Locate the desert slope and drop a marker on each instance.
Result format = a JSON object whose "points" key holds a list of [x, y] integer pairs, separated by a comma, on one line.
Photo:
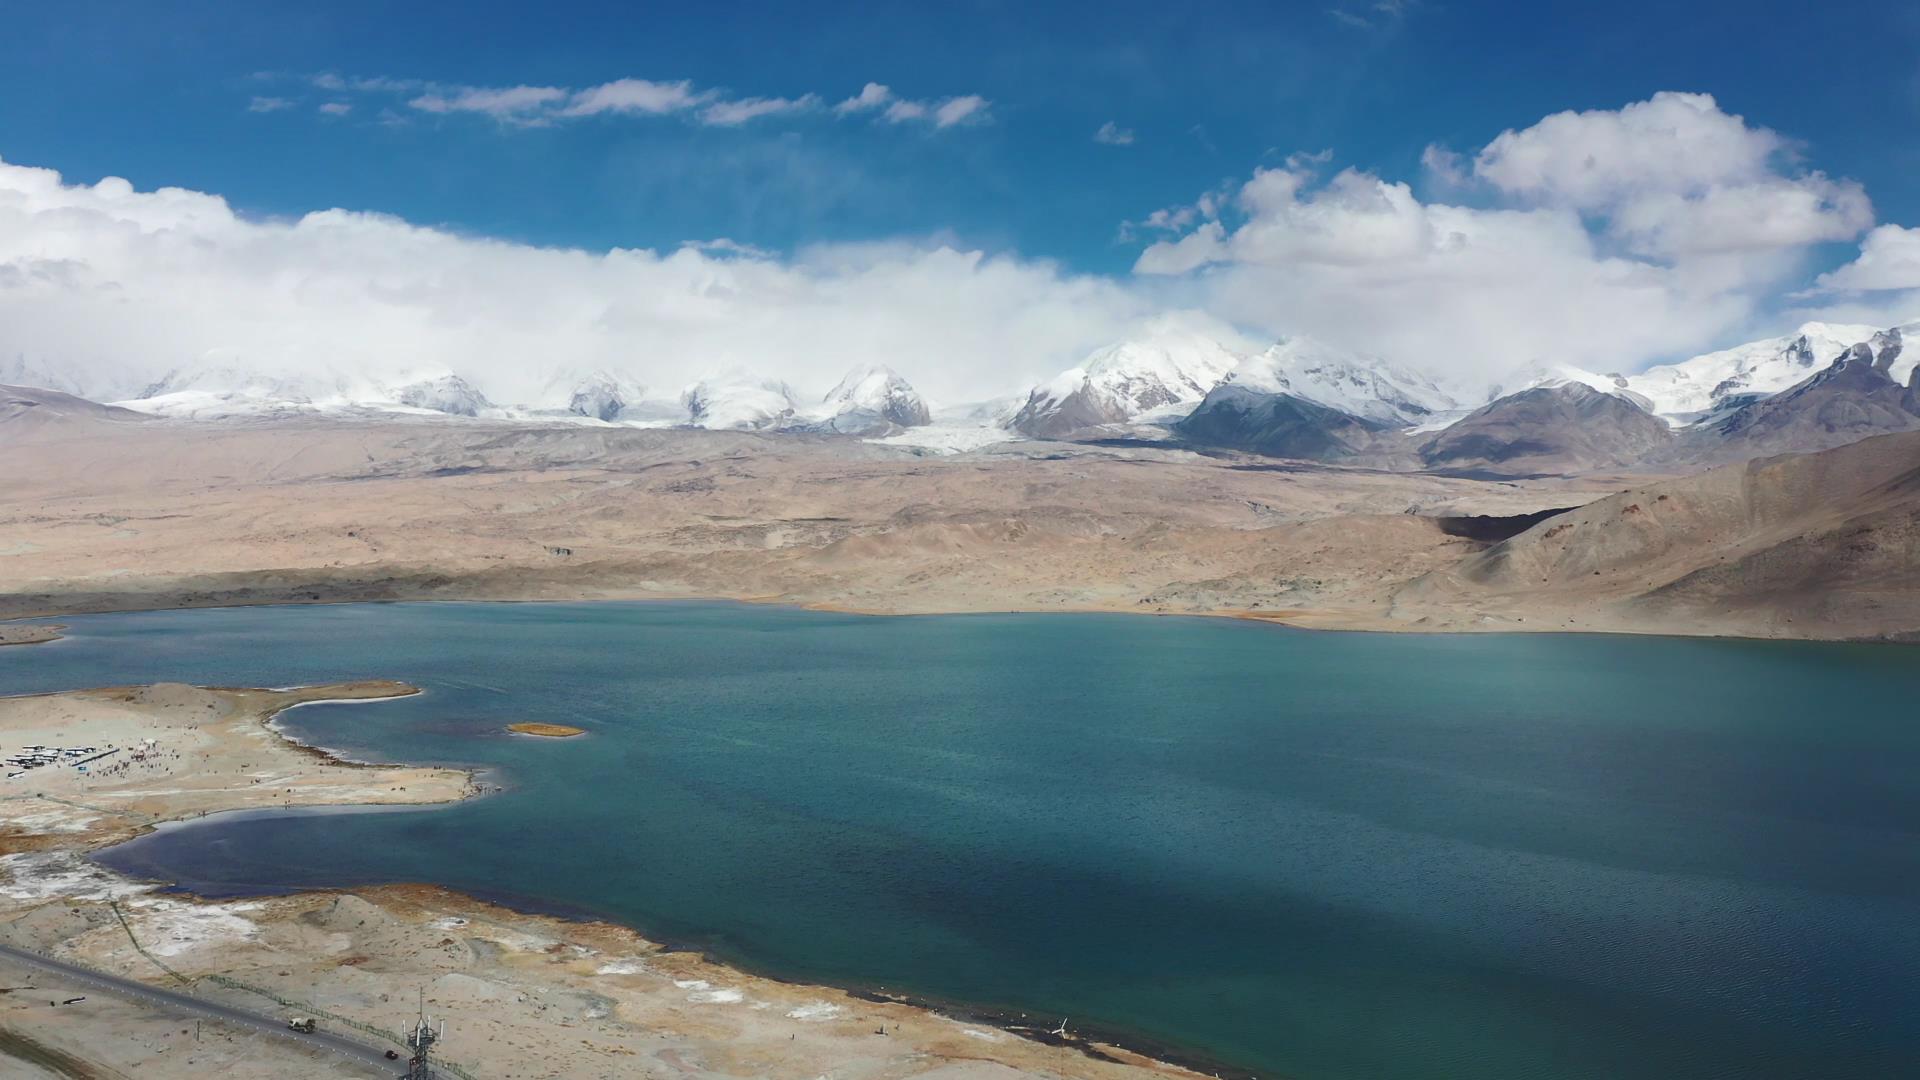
{"points": [[1822, 545]]}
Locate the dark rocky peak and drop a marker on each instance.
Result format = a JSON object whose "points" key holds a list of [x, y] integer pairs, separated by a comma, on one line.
{"points": [[1886, 348]]}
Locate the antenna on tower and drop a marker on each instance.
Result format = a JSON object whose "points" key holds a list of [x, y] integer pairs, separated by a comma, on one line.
{"points": [[420, 1040]]}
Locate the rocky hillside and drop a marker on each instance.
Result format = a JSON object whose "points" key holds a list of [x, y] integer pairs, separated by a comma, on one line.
{"points": [[1238, 417], [1564, 428], [1823, 545], [1852, 399], [28, 409]]}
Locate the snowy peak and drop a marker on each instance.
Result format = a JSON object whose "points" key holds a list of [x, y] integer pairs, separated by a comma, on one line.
{"points": [[873, 400], [230, 382], [23, 371], [1887, 346], [1354, 383], [739, 400], [1695, 387], [603, 395], [1126, 381], [221, 387], [448, 394]]}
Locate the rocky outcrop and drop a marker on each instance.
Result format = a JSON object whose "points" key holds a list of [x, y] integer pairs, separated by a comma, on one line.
{"points": [[448, 394], [603, 396], [1564, 428], [1238, 417], [1886, 346]]}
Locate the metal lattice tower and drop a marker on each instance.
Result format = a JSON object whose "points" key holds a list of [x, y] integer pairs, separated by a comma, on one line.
{"points": [[420, 1040]]}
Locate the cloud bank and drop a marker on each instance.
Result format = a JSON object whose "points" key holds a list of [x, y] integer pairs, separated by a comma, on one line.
{"points": [[1604, 239], [111, 288]]}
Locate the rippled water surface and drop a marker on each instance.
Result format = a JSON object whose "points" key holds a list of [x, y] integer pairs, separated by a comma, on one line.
{"points": [[1309, 855]]}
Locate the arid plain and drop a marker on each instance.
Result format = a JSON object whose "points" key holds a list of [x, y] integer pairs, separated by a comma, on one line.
{"points": [[104, 512]]}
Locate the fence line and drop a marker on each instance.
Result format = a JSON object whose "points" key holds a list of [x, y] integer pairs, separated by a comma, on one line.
{"points": [[230, 983]]}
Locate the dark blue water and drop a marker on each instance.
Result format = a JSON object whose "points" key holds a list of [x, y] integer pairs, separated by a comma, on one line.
{"points": [[1311, 855]]}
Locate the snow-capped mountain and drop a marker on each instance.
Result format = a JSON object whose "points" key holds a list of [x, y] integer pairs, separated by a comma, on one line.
{"points": [[449, 394], [602, 395], [1549, 375], [1360, 385], [1692, 388], [1127, 381], [737, 399], [22, 370], [874, 400], [1852, 398], [220, 387]]}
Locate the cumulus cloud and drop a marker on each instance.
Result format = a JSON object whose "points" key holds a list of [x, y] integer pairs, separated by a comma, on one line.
{"points": [[335, 108], [115, 287], [1112, 134], [1614, 238], [1675, 175], [269, 104], [1889, 259]]}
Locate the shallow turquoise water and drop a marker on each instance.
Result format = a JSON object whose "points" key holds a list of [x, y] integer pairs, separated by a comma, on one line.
{"points": [[1311, 855]]}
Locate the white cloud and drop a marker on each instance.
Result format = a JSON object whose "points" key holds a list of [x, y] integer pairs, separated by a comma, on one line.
{"points": [[1616, 238], [515, 104], [732, 113], [894, 109], [1377, 15], [960, 110], [1676, 176], [536, 106], [902, 111], [1446, 167], [1112, 134], [1673, 142], [1889, 259], [637, 96], [871, 96], [114, 287], [268, 104], [335, 108]]}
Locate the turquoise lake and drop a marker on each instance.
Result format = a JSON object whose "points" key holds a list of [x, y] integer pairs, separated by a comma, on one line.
{"points": [[1308, 855]]}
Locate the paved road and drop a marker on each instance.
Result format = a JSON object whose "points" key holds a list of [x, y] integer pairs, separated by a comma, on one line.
{"points": [[374, 1059]]}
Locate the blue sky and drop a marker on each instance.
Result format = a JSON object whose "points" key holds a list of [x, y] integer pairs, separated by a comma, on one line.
{"points": [[1466, 188], [159, 93]]}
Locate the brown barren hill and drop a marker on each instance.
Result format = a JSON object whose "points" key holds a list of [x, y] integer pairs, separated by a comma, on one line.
{"points": [[1821, 545]]}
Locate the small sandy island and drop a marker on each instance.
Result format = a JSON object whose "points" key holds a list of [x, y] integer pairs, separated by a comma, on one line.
{"points": [[526, 995], [549, 731], [29, 635]]}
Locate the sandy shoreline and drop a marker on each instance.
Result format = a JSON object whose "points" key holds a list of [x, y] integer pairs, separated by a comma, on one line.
{"points": [[16, 634], [537, 995]]}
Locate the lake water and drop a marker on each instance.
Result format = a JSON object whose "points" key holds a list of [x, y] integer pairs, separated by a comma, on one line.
{"points": [[1308, 855]]}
